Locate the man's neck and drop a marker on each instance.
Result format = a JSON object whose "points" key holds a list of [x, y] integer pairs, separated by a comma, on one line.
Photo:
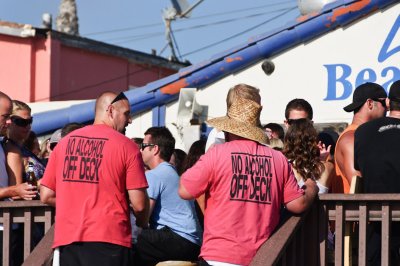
{"points": [[231, 137], [394, 114], [360, 118], [155, 162]]}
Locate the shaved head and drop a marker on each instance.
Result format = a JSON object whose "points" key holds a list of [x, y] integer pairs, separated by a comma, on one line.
{"points": [[113, 110], [103, 101], [3, 95]]}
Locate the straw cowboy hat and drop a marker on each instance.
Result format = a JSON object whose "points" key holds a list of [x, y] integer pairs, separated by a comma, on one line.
{"points": [[242, 120]]}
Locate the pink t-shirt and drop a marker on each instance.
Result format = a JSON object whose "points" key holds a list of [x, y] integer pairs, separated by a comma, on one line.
{"points": [[245, 184], [90, 170]]}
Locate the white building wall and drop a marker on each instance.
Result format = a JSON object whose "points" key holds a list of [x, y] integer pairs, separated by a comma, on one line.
{"points": [[302, 72]]}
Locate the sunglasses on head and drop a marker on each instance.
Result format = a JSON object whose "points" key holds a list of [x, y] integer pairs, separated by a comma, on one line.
{"points": [[21, 122], [144, 145], [119, 97]]}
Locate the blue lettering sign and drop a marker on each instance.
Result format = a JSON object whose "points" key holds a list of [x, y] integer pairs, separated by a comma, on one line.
{"points": [[340, 87], [365, 75], [334, 79], [385, 53], [394, 77]]}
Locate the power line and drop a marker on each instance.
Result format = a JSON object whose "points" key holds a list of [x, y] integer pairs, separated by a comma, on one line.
{"points": [[124, 29], [155, 34], [240, 10], [189, 53], [192, 18], [240, 33]]}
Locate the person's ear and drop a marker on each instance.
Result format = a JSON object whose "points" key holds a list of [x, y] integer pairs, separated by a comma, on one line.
{"points": [[156, 149], [110, 111], [286, 124], [370, 104]]}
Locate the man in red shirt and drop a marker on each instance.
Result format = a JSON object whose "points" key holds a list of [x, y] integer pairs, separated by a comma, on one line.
{"points": [[88, 176], [245, 183]]}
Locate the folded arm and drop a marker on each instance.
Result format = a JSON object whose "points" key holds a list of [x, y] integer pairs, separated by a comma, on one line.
{"points": [[302, 203]]}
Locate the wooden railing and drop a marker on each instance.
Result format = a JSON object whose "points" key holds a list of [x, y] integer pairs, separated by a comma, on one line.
{"points": [[302, 240], [42, 255], [294, 243], [23, 214]]}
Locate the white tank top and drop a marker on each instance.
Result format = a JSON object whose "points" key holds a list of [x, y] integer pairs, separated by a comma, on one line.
{"points": [[322, 189]]}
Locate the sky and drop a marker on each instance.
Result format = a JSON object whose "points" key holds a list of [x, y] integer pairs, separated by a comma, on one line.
{"points": [[213, 27]]}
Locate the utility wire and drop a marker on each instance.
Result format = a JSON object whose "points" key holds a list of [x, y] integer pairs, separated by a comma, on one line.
{"points": [[124, 29], [192, 18], [189, 53], [155, 34], [238, 10], [240, 33]]}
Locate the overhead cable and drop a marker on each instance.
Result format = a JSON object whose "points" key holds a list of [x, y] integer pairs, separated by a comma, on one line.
{"points": [[240, 33], [156, 34], [192, 18]]}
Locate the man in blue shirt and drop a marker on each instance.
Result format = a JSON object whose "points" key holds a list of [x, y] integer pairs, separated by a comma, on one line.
{"points": [[174, 232]]}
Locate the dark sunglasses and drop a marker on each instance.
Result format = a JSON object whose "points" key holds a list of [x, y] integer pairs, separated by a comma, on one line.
{"points": [[290, 121], [119, 97], [21, 122], [144, 145], [382, 101], [53, 145]]}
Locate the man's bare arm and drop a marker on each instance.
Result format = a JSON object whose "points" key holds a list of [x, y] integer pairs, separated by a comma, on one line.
{"points": [[345, 159], [152, 203], [201, 201], [14, 165], [140, 205], [47, 196], [302, 203], [183, 193]]}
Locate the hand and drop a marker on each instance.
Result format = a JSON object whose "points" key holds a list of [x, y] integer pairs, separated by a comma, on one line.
{"points": [[324, 152], [26, 191], [311, 185]]}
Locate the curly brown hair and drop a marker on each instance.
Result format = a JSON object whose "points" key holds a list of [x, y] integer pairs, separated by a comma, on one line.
{"points": [[301, 149]]}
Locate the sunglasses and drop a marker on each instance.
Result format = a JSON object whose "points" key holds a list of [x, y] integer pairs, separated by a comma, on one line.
{"points": [[382, 101], [21, 122], [144, 145], [53, 145], [119, 97], [290, 121]]}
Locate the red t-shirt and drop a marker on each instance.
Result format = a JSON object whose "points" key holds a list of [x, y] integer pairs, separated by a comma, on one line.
{"points": [[90, 170], [245, 184]]}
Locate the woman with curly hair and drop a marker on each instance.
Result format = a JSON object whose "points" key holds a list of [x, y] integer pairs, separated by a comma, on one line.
{"points": [[303, 152]]}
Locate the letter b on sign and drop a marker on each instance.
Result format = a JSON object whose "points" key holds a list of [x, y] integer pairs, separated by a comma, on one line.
{"points": [[333, 80]]}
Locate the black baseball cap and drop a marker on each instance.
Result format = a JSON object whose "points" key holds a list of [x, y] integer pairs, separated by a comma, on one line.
{"points": [[364, 92], [394, 92]]}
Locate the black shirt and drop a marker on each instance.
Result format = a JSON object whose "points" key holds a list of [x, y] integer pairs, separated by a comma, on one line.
{"points": [[377, 155]]}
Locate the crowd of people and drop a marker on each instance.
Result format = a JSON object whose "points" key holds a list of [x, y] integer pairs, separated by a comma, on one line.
{"points": [[141, 201]]}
